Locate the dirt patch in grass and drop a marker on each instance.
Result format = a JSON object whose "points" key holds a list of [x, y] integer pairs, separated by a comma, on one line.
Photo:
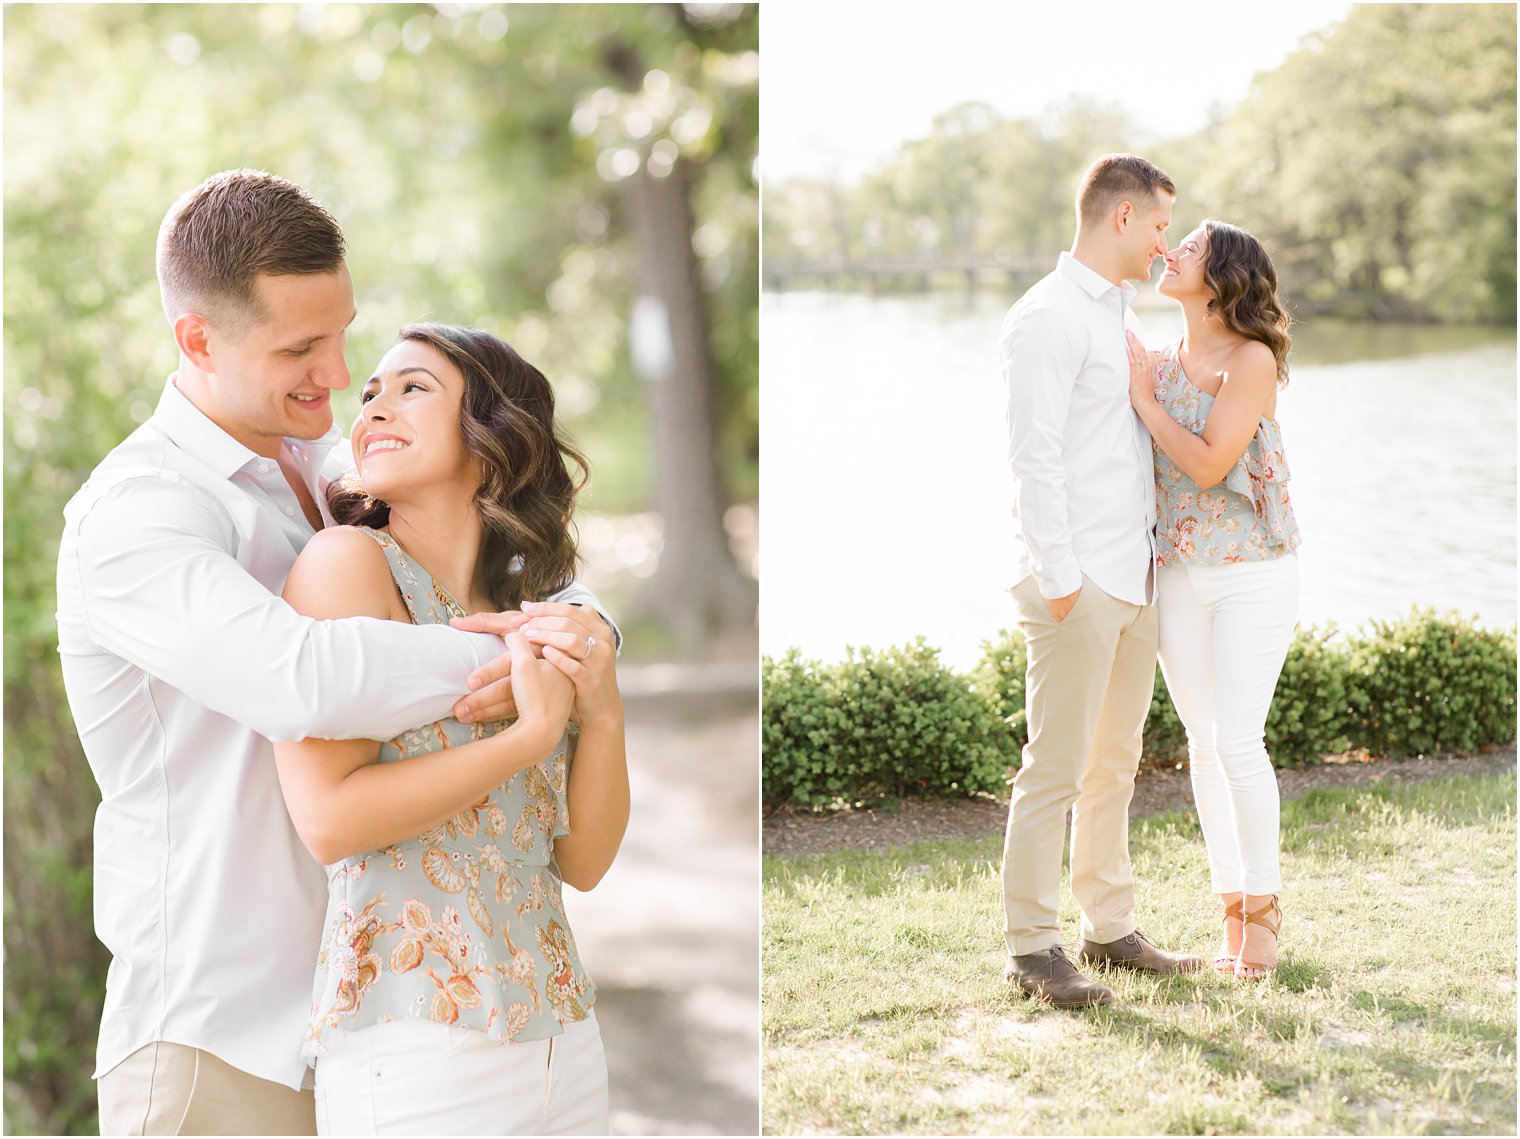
{"points": [[799, 830], [969, 1026]]}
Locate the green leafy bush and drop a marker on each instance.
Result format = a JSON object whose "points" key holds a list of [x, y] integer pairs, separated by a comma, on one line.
{"points": [[999, 680], [1308, 717], [1428, 683], [1165, 738], [879, 724], [897, 722]]}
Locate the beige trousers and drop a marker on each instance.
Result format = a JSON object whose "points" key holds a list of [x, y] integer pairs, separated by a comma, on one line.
{"points": [[1087, 690], [173, 1089]]}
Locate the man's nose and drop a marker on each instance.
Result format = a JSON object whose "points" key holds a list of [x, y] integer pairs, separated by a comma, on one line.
{"points": [[332, 372]]}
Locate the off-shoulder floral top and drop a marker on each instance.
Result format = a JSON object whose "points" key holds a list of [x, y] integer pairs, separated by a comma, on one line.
{"points": [[463, 924], [1247, 517]]}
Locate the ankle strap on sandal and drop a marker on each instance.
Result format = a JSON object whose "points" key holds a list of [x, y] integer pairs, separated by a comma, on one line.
{"points": [[1255, 917]]}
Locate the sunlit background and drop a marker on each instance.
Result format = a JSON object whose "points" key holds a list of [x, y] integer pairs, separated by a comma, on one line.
{"points": [[1370, 147], [563, 176]]}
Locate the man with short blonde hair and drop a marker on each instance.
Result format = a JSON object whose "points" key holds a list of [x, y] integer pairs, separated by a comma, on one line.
{"points": [[1084, 507]]}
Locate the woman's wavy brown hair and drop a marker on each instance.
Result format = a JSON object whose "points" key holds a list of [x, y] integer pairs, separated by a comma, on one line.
{"points": [[1240, 275], [527, 494]]}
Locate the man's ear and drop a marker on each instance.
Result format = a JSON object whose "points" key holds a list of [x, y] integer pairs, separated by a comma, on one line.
{"points": [[1124, 213], [193, 334]]}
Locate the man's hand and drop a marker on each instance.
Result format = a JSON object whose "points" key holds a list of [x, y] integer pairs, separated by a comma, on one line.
{"points": [[572, 637], [491, 695], [1060, 606]]}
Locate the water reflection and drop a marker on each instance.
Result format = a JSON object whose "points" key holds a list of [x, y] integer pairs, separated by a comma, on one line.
{"points": [[887, 494]]}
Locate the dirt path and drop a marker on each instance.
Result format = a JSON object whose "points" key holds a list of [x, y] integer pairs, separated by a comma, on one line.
{"points": [[671, 935], [801, 831]]}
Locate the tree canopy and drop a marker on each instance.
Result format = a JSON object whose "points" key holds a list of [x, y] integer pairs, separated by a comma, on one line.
{"points": [[1377, 164]]}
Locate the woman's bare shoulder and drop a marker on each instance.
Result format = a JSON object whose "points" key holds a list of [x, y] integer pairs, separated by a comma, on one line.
{"points": [[1255, 358], [342, 572]]}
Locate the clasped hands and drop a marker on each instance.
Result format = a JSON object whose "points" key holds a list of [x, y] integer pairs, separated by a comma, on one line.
{"points": [[569, 640]]}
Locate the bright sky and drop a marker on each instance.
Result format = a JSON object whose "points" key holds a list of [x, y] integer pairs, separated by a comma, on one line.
{"points": [[844, 84]]}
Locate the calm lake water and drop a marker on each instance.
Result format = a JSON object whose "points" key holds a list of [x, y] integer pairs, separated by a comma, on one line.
{"points": [[887, 496]]}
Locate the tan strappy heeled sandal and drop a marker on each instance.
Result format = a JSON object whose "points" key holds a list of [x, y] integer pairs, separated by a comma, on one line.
{"points": [[1225, 962], [1269, 917]]}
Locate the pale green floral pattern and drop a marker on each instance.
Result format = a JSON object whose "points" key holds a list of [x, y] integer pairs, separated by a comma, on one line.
{"points": [[1246, 518], [464, 924]]}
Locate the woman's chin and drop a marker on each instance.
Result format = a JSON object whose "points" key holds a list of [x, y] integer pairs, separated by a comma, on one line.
{"points": [[377, 488]]}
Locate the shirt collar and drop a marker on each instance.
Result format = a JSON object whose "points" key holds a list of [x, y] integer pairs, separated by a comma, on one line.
{"points": [[1090, 281], [192, 431]]}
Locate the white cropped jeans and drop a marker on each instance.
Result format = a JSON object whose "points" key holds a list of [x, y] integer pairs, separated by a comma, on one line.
{"points": [[418, 1077], [1225, 632]]}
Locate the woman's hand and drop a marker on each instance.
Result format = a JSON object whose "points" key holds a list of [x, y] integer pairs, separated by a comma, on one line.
{"points": [[1142, 373], [543, 696], [578, 642]]}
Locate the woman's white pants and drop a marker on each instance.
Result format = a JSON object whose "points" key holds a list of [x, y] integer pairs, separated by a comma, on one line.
{"points": [[1225, 632], [416, 1077]]}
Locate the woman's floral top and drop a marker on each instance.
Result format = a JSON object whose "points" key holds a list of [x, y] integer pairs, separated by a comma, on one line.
{"points": [[464, 923], [1247, 517]]}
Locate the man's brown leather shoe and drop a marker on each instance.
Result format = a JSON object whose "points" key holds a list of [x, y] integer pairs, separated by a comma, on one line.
{"points": [[1050, 975], [1137, 952]]}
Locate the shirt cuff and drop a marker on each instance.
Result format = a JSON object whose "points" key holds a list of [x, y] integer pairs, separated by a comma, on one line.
{"points": [[487, 647], [1060, 580]]}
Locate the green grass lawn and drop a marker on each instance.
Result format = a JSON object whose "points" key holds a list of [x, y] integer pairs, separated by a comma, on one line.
{"points": [[1392, 1011]]}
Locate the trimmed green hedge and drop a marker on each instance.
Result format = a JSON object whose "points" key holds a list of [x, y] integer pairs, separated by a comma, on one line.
{"points": [[896, 722], [877, 725]]}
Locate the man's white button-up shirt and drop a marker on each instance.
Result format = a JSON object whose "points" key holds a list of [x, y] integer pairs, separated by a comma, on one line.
{"points": [[1085, 498], [181, 663]]}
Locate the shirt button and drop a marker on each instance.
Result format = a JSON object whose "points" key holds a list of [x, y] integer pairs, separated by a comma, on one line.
{"points": [[263, 468], [290, 510]]}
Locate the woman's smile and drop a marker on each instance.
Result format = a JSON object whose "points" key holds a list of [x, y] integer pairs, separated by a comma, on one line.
{"points": [[377, 443]]}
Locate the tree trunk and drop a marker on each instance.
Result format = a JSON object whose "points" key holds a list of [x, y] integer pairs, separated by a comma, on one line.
{"points": [[698, 587]]}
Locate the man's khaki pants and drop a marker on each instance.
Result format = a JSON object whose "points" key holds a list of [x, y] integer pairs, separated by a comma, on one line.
{"points": [[1087, 690], [173, 1089]]}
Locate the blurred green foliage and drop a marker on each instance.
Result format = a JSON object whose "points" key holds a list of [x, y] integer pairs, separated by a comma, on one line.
{"points": [[1377, 164], [897, 722], [476, 157]]}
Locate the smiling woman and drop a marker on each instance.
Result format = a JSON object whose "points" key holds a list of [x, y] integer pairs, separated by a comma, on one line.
{"points": [[461, 503], [468, 412]]}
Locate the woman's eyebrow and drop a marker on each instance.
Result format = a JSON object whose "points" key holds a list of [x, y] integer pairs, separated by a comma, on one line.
{"points": [[405, 372]]}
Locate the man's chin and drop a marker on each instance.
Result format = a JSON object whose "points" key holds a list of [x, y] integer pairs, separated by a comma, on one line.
{"points": [[307, 430]]}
